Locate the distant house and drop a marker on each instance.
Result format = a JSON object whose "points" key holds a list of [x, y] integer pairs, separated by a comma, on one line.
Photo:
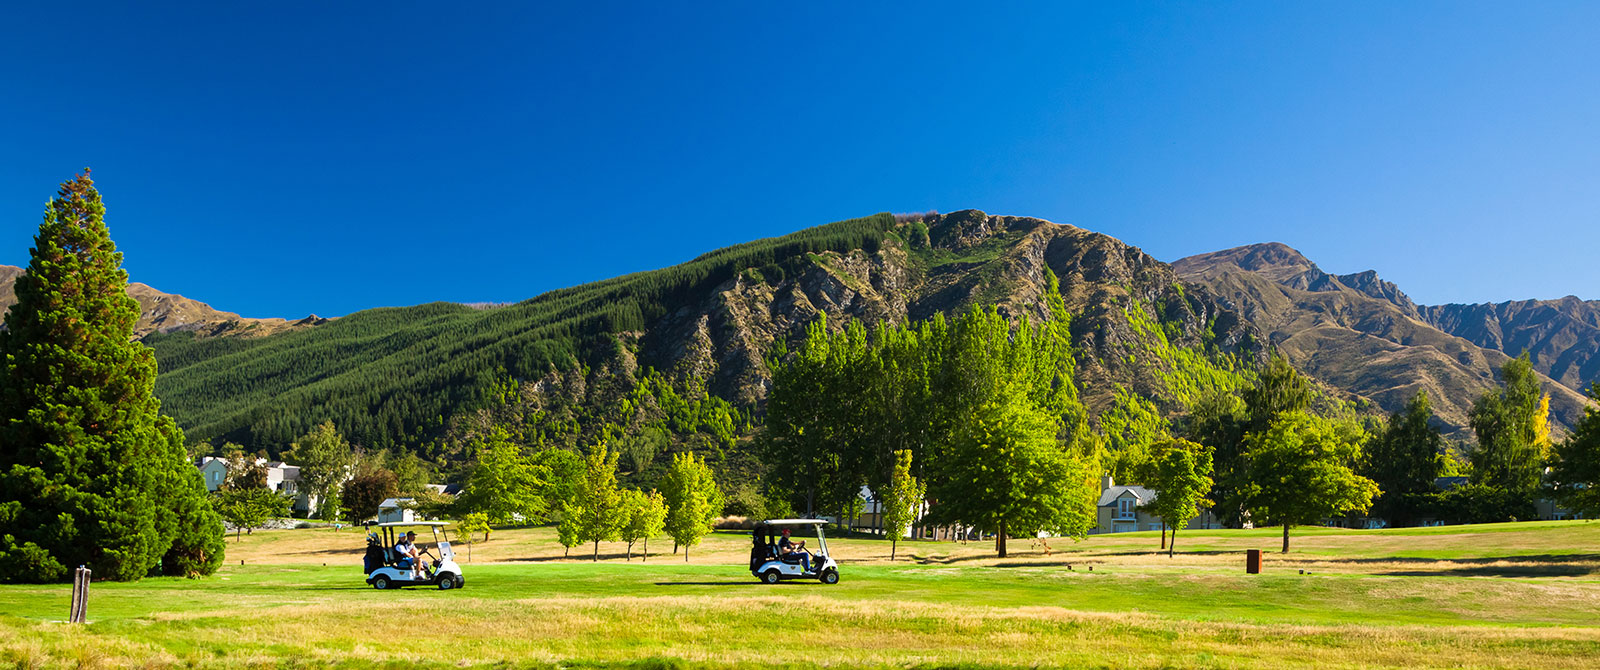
{"points": [[397, 510], [1118, 510], [445, 489], [281, 477]]}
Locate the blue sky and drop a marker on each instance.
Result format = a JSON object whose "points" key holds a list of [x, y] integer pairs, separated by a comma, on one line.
{"points": [[280, 159]]}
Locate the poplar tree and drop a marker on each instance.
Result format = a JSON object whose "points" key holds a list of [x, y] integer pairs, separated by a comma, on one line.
{"points": [[901, 500], [91, 472]]}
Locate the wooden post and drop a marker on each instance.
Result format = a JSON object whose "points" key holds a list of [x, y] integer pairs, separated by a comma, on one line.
{"points": [[1252, 562], [80, 595]]}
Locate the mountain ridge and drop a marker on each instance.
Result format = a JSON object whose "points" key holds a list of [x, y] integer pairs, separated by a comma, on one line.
{"points": [[1365, 334]]}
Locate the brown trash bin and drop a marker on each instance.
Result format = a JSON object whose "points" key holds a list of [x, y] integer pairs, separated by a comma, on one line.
{"points": [[1252, 561]]}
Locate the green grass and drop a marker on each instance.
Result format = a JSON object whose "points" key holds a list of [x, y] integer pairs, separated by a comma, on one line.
{"points": [[1373, 599]]}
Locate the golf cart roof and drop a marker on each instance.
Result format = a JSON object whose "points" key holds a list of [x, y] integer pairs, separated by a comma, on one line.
{"points": [[793, 522], [393, 524]]}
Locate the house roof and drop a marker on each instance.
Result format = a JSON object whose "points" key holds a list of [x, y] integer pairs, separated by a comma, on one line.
{"points": [[447, 489], [394, 502], [1109, 496], [1447, 483]]}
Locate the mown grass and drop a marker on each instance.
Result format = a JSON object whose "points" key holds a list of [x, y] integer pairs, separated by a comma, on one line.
{"points": [[949, 604]]}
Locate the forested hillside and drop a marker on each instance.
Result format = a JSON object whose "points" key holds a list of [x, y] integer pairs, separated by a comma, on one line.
{"points": [[679, 357]]}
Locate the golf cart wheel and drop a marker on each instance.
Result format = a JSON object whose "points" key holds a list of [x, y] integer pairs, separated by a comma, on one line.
{"points": [[380, 582], [770, 577], [447, 581], [460, 581], [830, 577]]}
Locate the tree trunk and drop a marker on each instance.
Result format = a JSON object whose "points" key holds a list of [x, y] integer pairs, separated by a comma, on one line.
{"points": [[1285, 538], [1000, 540], [892, 544], [1173, 546], [644, 554], [627, 555], [1164, 534], [686, 553], [597, 551]]}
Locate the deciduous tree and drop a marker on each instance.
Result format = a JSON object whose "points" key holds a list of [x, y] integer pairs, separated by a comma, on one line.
{"points": [[693, 500], [1301, 472], [325, 461], [1404, 460], [646, 518], [1180, 473], [1512, 435], [251, 507], [505, 484], [1576, 467], [599, 503]]}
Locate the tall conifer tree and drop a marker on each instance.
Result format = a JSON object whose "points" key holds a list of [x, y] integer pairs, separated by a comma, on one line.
{"points": [[91, 473]]}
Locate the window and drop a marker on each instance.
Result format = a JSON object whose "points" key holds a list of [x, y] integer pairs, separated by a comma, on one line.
{"points": [[1125, 508]]}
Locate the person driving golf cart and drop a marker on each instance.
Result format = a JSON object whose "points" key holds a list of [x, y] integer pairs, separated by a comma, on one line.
{"points": [[775, 555], [790, 552]]}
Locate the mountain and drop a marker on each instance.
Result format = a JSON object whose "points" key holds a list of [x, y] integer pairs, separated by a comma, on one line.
{"points": [[1562, 337], [1363, 334], [166, 312], [685, 348]]}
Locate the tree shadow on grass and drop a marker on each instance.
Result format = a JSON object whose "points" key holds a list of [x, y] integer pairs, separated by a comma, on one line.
{"points": [[729, 583], [1537, 565], [663, 559]]}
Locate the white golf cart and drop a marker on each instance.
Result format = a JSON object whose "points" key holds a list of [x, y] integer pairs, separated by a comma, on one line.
{"points": [[768, 562], [383, 566]]}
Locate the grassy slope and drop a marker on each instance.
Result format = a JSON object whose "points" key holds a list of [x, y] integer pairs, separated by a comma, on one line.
{"points": [[1417, 598]]}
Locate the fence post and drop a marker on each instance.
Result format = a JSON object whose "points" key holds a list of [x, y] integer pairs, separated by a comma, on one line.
{"points": [[80, 595]]}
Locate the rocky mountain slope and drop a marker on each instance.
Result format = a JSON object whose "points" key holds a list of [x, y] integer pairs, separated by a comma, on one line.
{"points": [[1562, 337], [578, 357], [167, 312], [1363, 334]]}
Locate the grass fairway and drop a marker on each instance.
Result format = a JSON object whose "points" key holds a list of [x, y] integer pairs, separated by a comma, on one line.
{"points": [[1504, 596]]}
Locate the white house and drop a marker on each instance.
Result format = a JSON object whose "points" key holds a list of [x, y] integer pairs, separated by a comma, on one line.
{"points": [[396, 510], [281, 477]]}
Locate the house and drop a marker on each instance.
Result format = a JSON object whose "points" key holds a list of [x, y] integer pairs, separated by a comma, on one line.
{"points": [[1118, 510], [281, 477], [445, 489], [397, 510]]}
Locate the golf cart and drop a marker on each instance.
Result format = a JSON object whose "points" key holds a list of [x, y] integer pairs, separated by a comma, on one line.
{"points": [[383, 566], [768, 562]]}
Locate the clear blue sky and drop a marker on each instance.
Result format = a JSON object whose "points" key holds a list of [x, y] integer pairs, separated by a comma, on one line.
{"points": [[279, 159]]}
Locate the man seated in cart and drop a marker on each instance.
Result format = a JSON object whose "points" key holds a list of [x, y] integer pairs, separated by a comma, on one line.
{"points": [[789, 551], [407, 556]]}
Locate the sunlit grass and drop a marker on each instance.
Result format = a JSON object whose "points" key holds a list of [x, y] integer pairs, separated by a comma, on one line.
{"points": [[1511, 596]]}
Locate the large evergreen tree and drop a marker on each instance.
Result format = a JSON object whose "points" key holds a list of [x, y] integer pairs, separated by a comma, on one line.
{"points": [[91, 473]]}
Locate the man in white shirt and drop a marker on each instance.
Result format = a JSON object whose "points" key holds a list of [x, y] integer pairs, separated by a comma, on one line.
{"points": [[409, 556]]}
